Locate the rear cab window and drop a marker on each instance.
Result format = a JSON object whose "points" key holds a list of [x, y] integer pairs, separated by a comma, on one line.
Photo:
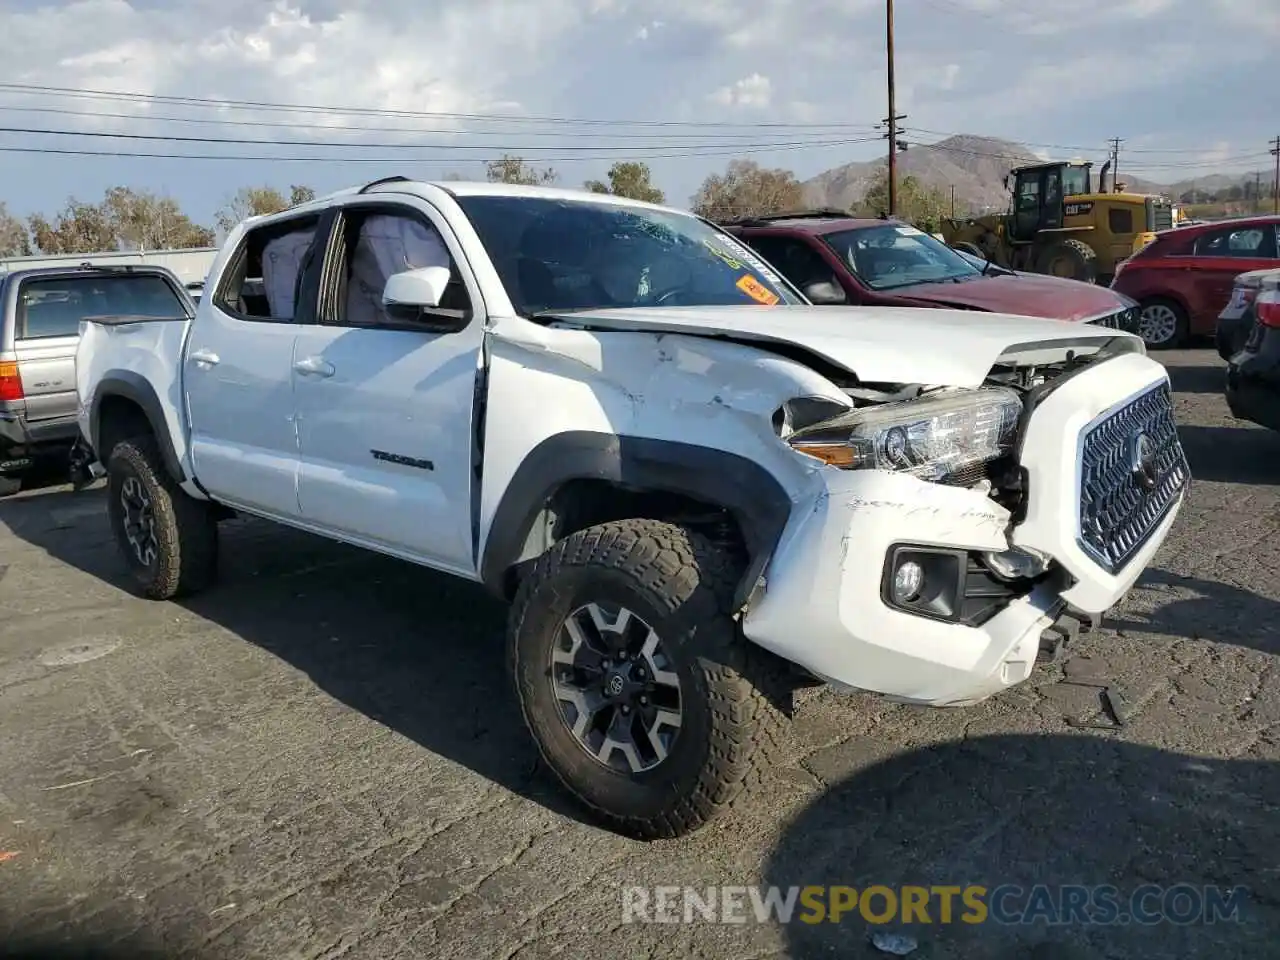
{"points": [[50, 307]]}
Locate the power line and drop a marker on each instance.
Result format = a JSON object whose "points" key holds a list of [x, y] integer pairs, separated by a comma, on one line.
{"points": [[825, 130], [1275, 152], [735, 151], [609, 147], [135, 97]]}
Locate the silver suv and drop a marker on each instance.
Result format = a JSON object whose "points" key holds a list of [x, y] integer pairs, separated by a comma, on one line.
{"points": [[40, 314]]}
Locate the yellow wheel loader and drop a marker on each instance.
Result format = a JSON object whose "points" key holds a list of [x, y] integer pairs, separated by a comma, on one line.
{"points": [[1060, 225]]}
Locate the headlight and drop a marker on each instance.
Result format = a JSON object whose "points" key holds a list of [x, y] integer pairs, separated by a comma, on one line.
{"points": [[930, 437]]}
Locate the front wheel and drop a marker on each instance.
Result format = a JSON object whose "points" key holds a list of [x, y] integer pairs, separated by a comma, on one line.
{"points": [[632, 679], [169, 539]]}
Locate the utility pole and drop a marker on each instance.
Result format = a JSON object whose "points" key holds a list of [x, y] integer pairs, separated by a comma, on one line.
{"points": [[1257, 191], [953, 201], [1115, 162], [893, 117], [1275, 191]]}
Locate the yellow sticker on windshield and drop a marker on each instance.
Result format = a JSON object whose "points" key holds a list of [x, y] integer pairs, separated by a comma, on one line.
{"points": [[756, 290], [731, 262]]}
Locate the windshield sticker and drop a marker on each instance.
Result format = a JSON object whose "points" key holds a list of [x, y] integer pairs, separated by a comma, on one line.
{"points": [[909, 232], [723, 255], [756, 290], [749, 259]]}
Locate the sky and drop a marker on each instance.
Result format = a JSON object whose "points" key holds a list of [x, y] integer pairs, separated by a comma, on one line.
{"points": [[426, 88]]}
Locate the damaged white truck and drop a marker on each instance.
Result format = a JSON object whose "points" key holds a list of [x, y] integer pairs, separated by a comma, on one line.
{"points": [[695, 489]]}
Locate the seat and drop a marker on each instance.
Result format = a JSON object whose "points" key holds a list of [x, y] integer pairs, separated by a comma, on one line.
{"points": [[387, 245], [282, 259]]}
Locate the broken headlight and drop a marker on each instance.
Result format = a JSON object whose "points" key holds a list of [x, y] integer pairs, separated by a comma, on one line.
{"points": [[930, 437]]}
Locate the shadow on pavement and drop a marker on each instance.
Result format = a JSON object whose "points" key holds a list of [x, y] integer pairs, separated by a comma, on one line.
{"points": [[1218, 612], [1245, 454], [422, 653], [1197, 378], [1055, 810]]}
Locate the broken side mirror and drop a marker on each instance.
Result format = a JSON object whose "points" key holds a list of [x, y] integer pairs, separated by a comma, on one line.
{"points": [[825, 293], [414, 297]]}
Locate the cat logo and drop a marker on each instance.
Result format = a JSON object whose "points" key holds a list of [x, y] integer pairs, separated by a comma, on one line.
{"points": [[1076, 209]]}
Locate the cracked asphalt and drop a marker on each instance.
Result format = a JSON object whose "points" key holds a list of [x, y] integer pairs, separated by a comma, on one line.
{"points": [[319, 759]]}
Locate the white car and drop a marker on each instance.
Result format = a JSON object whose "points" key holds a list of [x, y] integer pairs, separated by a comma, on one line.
{"points": [[692, 485]]}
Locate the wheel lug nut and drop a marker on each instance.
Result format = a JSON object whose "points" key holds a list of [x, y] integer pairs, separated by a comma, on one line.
{"points": [[644, 700], [626, 709]]}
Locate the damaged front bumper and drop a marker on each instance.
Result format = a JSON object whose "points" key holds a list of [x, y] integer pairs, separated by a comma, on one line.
{"points": [[828, 600]]}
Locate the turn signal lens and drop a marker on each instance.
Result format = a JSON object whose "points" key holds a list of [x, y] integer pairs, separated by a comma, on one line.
{"points": [[10, 382]]}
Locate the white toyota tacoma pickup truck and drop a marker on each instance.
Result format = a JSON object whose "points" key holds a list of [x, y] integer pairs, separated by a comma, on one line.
{"points": [[695, 489]]}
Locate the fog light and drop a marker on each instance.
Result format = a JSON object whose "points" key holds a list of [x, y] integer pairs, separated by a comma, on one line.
{"points": [[1016, 564], [908, 580]]}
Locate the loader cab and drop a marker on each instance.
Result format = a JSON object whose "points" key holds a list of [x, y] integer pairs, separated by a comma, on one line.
{"points": [[1041, 196]]}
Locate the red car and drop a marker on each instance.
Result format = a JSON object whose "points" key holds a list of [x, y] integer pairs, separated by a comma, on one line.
{"points": [[837, 259], [1183, 278]]}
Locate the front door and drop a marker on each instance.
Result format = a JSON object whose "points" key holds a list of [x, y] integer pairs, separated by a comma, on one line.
{"points": [[1026, 204], [1219, 257], [385, 406], [238, 376]]}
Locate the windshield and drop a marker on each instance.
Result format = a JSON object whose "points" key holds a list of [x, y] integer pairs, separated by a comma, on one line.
{"points": [[555, 255], [896, 255], [1075, 181]]}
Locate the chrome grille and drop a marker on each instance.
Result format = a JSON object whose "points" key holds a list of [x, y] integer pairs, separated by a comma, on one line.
{"points": [[1126, 320], [1132, 469]]}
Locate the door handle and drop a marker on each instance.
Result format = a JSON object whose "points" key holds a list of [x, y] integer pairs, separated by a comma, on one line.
{"points": [[314, 367], [205, 358]]}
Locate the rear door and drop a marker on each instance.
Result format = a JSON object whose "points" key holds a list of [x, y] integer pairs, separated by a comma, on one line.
{"points": [[1219, 257], [238, 367], [47, 311]]}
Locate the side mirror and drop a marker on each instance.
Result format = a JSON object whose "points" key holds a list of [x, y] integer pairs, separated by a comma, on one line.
{"points": [[414, 296], [825, 293]]}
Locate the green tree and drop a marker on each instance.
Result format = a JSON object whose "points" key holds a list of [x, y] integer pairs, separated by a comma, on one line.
{"points": [[628, 178], [249, 202], [918, 203], [15, 240], [514, 170], [146, 221], [746, 189], [79, 228], [299, 194]]}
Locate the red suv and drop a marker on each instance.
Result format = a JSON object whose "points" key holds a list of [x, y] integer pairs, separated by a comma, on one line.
{"points": [[1182, 280], [837, 259]]}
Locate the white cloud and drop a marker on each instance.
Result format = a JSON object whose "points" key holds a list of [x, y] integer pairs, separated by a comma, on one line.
{"points": [[1055, 77], [753, 92]]}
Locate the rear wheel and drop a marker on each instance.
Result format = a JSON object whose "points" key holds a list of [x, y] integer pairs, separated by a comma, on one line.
{"points": [[1162, 323], [642, 698], [970, 248], [1069, 259], [169, 539]]}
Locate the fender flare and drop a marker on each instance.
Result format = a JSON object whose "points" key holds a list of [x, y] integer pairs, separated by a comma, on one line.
{"points": [[754, 496], [136, 388]]}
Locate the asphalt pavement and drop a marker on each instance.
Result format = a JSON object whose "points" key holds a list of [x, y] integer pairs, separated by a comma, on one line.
{"points": [[319, 759]]}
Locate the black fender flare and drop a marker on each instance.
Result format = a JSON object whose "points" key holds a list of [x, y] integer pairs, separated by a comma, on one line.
{"points": [[753, 495], [136, 388]]}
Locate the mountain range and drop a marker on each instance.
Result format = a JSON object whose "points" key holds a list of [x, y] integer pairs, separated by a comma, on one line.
{"points": [[975, 167]]}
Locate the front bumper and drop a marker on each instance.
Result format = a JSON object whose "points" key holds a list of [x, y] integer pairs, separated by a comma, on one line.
{"points": [[822, 603], [1230, 334]]}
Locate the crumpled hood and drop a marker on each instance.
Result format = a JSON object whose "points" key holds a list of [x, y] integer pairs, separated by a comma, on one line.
{"points": [[1029, 295], [877, 344]]}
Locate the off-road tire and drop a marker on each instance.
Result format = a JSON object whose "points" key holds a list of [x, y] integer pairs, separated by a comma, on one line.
{"points": [[735, 695], [1083, 258], [186, 532], [1181, 323], [970, 248], [9, 486]]}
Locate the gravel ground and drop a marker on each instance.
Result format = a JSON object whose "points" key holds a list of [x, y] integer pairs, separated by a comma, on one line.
{"points": [[319, 758]]}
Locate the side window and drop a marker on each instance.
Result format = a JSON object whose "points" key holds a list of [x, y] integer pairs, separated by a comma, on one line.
{"points": [[263, 280], [1242, 242], [54, 306], [794, 259], [1120, 220], [377, 244]]}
